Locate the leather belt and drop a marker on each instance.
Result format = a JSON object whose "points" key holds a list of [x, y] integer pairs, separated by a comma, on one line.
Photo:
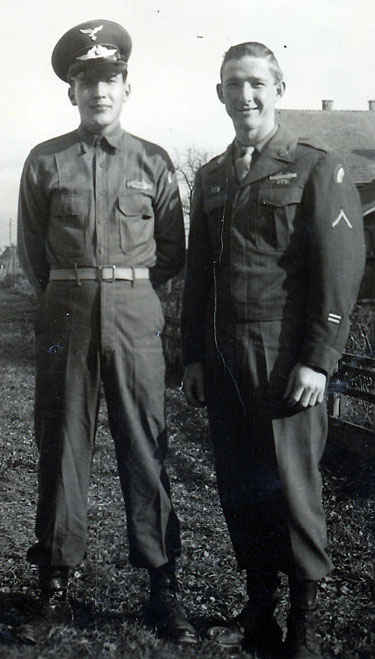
{"points": [[100, 273]]}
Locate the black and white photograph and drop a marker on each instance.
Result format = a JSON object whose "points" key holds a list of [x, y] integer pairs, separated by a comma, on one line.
{"points": [[187, 330]]}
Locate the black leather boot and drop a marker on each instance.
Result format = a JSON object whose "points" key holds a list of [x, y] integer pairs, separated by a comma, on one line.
{"points": [[302, 640], [53, 579], [257, 618], [255, 627], [165, 611], [53, 584]]}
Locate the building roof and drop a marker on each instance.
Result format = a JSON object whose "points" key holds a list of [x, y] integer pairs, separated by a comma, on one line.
{"points": [[351, 132], [7, 254], [368, 209]]}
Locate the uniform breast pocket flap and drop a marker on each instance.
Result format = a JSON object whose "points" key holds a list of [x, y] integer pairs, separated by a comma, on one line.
{"points": [[214, 203], [136, 205], [281, 196], [278, 212]]}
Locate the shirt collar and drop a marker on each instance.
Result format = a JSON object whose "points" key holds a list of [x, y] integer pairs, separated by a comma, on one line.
{"points": [[114, 138], [260, 145]]}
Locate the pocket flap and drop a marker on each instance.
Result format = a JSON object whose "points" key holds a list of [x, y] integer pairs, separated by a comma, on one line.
{"points": [[282, 196], [135, 205], [215, 201]]}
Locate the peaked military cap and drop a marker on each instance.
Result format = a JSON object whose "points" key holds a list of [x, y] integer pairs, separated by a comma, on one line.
{"points": [[91, 43]]}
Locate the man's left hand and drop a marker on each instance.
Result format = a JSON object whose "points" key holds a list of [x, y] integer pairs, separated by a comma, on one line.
{"points": [[305, 386]]}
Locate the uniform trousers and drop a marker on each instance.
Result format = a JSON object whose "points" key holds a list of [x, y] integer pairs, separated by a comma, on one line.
{"points": [[267, 454], [87, 336]]}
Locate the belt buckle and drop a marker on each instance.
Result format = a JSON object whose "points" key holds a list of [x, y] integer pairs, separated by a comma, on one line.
{"points": [[100, 269]]}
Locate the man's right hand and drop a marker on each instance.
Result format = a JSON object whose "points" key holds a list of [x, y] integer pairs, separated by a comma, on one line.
{"points": [[193, 384]]}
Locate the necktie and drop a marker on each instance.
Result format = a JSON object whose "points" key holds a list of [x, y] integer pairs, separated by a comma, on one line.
{"points": [[243, 162]]}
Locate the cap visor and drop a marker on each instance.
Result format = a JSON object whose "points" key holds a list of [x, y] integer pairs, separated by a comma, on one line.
{"points": [[99, 64]]}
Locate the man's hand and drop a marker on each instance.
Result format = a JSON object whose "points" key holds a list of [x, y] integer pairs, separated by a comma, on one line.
{"points": [[305, 386], [193, 384]]}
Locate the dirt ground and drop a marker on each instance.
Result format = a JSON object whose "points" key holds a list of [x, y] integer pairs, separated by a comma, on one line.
{"points": [[107, 594]]}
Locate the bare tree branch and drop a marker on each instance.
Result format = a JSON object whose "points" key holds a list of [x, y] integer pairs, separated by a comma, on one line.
{"points": [[187, 164]]}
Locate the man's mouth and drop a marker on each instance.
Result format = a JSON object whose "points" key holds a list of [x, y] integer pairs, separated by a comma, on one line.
{"points": [[248, 109]]}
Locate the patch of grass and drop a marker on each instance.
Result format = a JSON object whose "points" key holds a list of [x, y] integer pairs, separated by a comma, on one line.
{"points": [[107, 594]]}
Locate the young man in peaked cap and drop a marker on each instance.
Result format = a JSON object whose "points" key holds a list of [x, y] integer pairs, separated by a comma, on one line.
{"points": [[276, 255], [100, 226]]}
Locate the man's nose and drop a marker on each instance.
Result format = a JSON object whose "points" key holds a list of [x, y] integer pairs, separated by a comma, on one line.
{"points": [[99, 88], [247, 92]]}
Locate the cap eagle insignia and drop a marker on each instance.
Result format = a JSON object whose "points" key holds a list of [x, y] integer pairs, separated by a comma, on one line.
{"points": [[91, 32]]}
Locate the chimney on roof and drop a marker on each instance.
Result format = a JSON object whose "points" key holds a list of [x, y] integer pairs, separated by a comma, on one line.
{"points": [[371, 106], [327, 105]]}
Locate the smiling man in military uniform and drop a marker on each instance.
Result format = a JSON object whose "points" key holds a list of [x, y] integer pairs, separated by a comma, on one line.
{"points": [[100, 225], [276, 255]]}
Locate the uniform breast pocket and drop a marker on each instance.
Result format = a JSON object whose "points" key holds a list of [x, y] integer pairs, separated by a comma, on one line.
{"points": [[278, 210], [72, 206], [67, 228], [136, 220]]}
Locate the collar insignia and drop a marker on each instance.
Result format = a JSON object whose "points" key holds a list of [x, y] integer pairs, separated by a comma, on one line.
{"points": [[91, 32], [214, 189]]}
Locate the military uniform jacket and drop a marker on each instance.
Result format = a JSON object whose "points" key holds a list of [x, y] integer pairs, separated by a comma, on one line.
{"points": [[285, 242], [87, 201]]}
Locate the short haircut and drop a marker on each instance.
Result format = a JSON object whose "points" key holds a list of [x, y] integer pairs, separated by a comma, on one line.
{"points": [[253, 49]]}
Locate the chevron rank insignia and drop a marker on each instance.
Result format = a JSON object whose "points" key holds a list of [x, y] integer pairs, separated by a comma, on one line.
{"points": [[341, 216]]}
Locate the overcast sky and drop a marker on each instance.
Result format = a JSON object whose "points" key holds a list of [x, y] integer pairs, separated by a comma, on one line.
{"points": [[325, 47]]}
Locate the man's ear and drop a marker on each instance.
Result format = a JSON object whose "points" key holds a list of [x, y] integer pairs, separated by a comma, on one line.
{"points": [[72, 95], [127, 91], [219, 91], [280, 88]]}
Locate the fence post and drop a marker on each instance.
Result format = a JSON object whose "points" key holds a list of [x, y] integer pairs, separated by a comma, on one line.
{"points": [[334, 404]]}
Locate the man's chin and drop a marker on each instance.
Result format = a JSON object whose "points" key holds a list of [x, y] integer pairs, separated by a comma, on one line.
{"points": [[97, 123], [247, 126]]}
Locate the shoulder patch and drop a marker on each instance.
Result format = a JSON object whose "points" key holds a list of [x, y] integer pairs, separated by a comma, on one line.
{"points": [[339, 174]]}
